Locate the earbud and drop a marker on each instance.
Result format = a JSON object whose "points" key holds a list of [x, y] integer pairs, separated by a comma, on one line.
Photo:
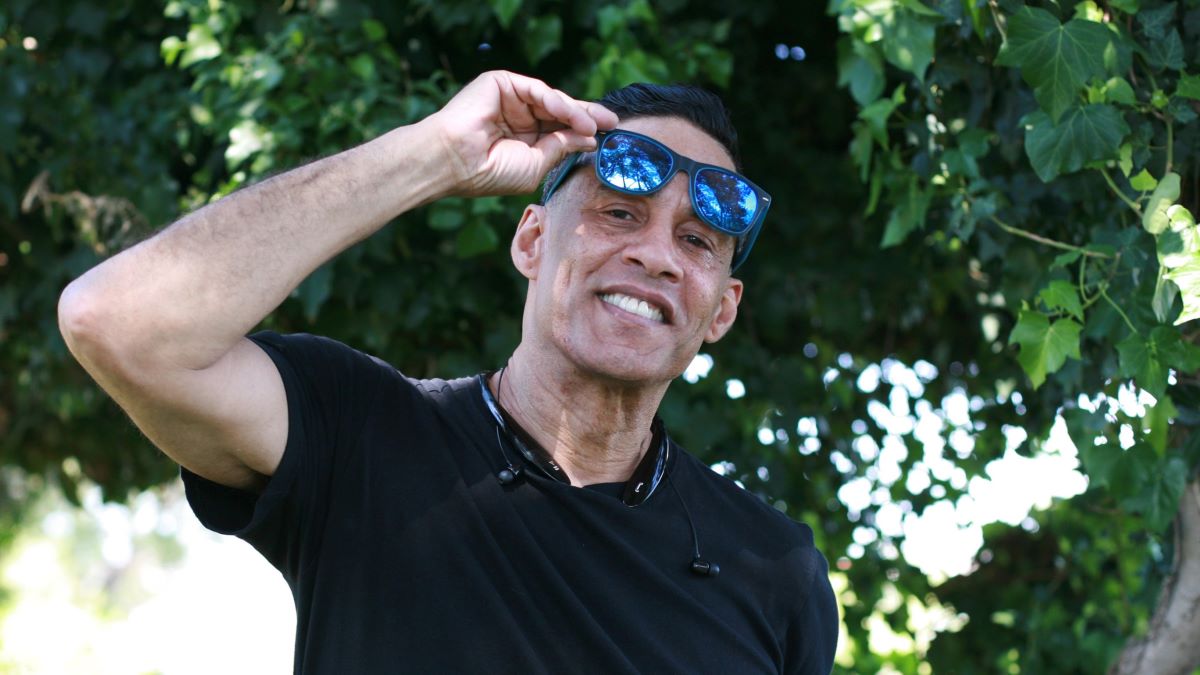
{"points": [[507, 476], [704, 568]]}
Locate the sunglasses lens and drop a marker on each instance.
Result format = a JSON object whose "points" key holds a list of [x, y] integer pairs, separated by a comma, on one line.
{"points": [[726, 201], [633, 164]]}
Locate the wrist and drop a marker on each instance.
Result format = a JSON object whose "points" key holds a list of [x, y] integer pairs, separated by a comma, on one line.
{"points": [[416, 164]]}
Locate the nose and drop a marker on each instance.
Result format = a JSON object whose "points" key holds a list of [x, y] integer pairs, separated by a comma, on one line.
{"points": [[653, 245]]}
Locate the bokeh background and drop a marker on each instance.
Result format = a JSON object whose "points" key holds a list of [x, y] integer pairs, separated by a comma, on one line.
{"points": [[964, 355]]}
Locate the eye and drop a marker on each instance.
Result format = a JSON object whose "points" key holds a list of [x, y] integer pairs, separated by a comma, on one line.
{"points": [[697, 241], [619, 214]]}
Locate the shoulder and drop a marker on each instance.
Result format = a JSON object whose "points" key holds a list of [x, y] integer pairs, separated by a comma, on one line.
{"points": [[310, 351], [738, 507], [336, 372], [775, 560], [763, 542]]}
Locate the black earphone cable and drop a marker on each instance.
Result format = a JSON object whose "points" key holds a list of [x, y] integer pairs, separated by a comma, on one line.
{"points": [[699, 565], [510, 473]]}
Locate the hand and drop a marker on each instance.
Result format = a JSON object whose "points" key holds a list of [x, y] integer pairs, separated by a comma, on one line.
{"points": [[503, 132]]}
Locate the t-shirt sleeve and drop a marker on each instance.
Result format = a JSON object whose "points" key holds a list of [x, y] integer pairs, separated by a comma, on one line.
{"points": [[813, 633], [330, 388]]}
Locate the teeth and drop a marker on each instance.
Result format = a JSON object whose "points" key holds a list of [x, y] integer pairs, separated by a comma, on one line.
{"points": [[633, 306]]}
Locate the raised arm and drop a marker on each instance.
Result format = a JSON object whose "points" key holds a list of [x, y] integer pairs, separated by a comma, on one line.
{"points": [[161, 326]]}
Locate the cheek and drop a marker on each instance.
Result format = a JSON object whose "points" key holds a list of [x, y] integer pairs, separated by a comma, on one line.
{"points": [[711, 302]]}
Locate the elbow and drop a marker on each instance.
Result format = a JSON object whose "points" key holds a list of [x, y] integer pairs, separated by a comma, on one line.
{"points": [[94, 335], [80, 318]]}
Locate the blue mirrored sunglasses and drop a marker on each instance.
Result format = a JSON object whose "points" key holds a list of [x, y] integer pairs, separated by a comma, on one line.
{"points": [[635, 164]]}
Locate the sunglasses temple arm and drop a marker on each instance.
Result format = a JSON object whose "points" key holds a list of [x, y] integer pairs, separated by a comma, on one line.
{"points": [[750, 239]]}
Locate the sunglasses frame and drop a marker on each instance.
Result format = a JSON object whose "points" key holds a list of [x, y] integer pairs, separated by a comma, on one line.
{"points": [[745, 238]]}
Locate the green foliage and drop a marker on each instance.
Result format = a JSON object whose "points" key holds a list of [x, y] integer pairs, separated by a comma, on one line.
{"points": [[1089, 153], [1057, 60], [1045, 346], [1085, 135]]}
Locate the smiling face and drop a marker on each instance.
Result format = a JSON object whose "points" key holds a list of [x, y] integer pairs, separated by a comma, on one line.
{"points": [[627, 287]]}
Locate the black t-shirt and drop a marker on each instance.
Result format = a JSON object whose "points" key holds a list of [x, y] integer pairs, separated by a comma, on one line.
{"points": [[404, 552]]}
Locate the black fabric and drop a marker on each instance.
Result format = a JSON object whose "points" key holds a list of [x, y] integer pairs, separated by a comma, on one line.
{"points": [[405, 554]]}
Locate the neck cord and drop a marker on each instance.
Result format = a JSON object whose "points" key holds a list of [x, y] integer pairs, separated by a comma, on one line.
{"points": [[646, 477], [699, 565], [633, 488]]}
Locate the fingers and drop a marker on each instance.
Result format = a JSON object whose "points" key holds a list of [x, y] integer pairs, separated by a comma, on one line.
{"points": [[551, 104], [555, 147], [605, 118]]}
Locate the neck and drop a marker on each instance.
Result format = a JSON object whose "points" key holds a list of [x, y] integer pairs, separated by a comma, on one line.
{"points": [[596, 429]]}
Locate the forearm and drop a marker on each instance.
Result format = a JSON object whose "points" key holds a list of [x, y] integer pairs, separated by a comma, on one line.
{"points": [[184, 297]]}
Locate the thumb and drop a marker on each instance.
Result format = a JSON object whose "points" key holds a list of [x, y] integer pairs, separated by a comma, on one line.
{"points": [[556, 146]]}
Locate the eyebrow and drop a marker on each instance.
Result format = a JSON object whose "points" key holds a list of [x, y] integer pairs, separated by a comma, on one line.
{"points": [[598, 188]]}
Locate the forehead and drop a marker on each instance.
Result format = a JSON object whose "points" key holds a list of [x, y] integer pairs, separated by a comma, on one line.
{"points": [[683, 137]]}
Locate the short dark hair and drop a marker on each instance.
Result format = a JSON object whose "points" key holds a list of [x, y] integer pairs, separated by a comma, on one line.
{"points": [[687, 102]]}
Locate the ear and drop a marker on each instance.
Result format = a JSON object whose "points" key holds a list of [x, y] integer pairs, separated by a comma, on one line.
{"points": [[726, 312], [528, 241]]}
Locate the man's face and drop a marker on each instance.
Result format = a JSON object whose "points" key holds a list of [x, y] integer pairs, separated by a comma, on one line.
{"points": [[624, 286]]}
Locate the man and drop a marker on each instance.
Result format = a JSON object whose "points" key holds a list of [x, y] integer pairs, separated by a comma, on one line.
{"points": [[533, 520]]}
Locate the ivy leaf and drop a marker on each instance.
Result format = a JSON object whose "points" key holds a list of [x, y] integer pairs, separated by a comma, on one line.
{"points": [[1083, 428], [1154, 22], [1044, 346], [1138, 358], [1089, 10], [861, 67], [1086, 134], [1176, 246], [1188, 87], [1127, 6], [876, 115], [1156, 423], [1181, 110], [1064, 259], [1062, 295], [907, 216], [1143, 181], [1118, 90], [1133, 469], [1165, 292], [1166, 52], [1155, 218], [1187, 278], [1173, 351], [1158, 498], [861, 149], [1099, 461], [908, 42], [201, 45], [1147, 360], [1057, 60], [1125, 159]]}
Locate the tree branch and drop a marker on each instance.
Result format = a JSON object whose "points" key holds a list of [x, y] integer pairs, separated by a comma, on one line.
{"points": [[1170, 646], [1117, 191], [1046, 240]]}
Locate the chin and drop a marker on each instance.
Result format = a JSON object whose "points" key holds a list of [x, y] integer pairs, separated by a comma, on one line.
{"points": [[623, 353], [628, 365]]}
